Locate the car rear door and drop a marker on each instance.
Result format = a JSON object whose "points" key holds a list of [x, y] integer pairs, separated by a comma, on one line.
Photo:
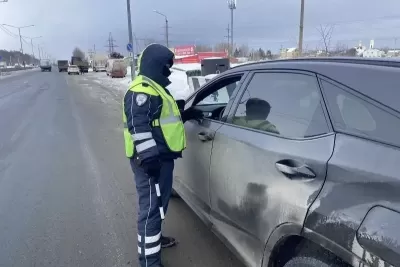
{"points": [[268, 169], [191, 175]]}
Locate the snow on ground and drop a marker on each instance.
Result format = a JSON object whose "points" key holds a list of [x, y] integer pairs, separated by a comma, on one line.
{"points": [[179, 86], [4, 75]]}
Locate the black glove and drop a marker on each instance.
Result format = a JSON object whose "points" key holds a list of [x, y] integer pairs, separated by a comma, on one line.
{"points": [[192, 114], [152, 168]]}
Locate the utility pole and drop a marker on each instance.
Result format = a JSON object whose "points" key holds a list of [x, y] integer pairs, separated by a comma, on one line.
{"points": [[228, 38], [33, 53], [40, 56], [301, 28], [111, 44], [232, 7], [128, 10], [19, 32], [166, 26]]}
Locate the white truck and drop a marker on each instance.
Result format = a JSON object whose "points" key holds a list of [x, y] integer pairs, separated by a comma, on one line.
{"points": [[99, 63], [45, 65]]}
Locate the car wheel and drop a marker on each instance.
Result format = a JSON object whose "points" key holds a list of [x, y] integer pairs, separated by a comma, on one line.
{"points": [[308, 262], [69, 73], [174, 194]]}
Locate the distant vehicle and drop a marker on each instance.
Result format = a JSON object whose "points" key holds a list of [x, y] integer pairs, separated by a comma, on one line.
{"points": [[62, 65], [73, 69], [99, 63], [295, 162], [82, 64], [45, 65], [116, 68], [99, 68]]}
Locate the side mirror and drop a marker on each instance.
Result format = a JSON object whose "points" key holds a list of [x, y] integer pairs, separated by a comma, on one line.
{"points": [[181, 104]]}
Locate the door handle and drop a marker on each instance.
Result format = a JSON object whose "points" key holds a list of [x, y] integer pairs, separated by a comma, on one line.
{"points": [[204, 136], [293, 169]]}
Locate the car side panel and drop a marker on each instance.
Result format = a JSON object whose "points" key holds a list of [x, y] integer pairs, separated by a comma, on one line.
{"points": [[250, 197], [361, 175], [191, 175]]}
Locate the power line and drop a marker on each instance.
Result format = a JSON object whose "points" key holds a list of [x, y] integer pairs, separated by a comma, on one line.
{"points": [[111, 44]]}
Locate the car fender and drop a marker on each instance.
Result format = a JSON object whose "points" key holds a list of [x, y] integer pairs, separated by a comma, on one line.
{"points": [[286, 230], [278, 234]]}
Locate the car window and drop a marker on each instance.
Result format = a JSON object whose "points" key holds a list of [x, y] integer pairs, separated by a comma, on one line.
{"points": [[218, 93], [285, 104], [351, 114]]}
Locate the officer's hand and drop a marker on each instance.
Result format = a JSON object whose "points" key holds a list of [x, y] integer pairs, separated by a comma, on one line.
{"points": [[192, 114], [197, 114], [152, 168]]}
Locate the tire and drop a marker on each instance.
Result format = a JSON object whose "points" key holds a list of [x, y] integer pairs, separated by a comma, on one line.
{"points": [[307, 262], [69, 73]]}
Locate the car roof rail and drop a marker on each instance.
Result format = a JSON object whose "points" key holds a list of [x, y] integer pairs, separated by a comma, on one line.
{"points": [[349, 60]]}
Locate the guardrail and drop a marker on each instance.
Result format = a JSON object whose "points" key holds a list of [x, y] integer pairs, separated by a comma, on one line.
{"points": [[7, 71]]}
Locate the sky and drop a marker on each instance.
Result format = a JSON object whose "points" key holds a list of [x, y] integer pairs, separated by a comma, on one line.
{"points": [[269, 24]]}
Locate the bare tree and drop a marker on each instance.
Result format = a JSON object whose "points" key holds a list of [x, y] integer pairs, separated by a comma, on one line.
{"points": [[221, 47], [340, 49], [244, 50], [326, 35], [78, 53], [352, 52]]}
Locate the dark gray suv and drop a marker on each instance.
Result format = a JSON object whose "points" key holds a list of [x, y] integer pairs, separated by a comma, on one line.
{"points": [[295, 163]]}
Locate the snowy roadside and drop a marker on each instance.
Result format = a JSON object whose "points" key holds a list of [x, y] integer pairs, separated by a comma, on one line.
{"points": [[179, 87], [6, 74]]}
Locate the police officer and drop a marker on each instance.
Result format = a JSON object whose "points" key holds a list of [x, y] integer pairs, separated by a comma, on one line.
{"points": [[154, 137]]}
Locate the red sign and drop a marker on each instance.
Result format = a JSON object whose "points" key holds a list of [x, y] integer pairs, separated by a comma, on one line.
{"points": [[184, 50]]}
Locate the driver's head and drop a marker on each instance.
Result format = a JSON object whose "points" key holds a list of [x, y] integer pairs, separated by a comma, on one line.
{"points": [[257, 109], [155, 63]]}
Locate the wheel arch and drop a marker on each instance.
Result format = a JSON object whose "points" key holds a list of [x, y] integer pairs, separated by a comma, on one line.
{"points": [[285, 240]]}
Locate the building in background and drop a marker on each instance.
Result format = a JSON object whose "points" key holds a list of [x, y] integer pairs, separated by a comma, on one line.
{"points": [[372, 52], [289, 52], [186, 54]]}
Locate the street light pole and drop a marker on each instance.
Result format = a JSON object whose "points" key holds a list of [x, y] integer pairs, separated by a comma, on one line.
{"points": [[301, 28], [128, 9], [166, 26], [33, 53], [166, 31], [232, 7]]}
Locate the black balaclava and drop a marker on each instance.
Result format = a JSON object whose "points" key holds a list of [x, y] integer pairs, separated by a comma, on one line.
{"points": [[155, 63]]}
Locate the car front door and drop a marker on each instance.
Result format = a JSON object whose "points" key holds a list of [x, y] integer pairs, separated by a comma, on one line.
{"points": [[191, 176], [268, 160]]}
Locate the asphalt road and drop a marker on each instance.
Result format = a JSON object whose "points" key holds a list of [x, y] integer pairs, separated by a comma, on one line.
{"points": [[67, 196]]}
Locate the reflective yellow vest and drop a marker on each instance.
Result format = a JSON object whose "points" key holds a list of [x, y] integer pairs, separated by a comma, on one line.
{"points": [[170, 120]]}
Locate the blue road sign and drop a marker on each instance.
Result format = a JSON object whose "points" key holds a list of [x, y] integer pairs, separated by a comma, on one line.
{"points": [[129, 47], [0, 57]]}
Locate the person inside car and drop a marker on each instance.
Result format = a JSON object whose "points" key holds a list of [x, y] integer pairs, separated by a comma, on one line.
{"points": [[257, 111]]}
